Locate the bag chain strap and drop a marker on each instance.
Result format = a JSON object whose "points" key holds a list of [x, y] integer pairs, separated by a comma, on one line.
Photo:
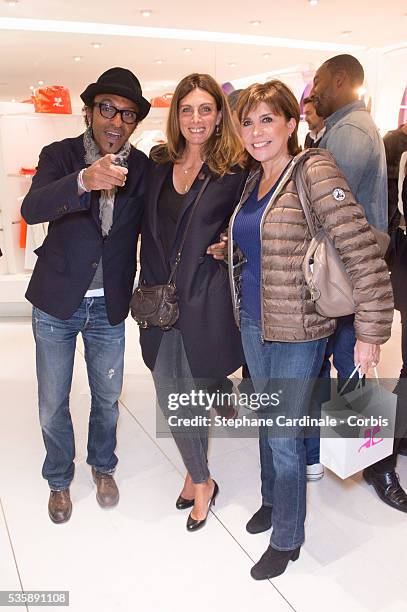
{"points": [[171, 279]]}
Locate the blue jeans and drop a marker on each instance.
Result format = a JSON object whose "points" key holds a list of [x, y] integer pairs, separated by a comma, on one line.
{"points": [[312, 447], [283, 465], [55, 351], [341, 345], [322, 393]]}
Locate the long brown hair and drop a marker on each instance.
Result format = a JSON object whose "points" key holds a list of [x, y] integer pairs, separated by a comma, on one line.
{"points": [[221, 151], [281, 101]]}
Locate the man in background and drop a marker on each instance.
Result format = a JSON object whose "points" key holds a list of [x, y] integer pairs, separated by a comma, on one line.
{"points": [[354, 141], [395, 143], [232, 101], [316, 125]]}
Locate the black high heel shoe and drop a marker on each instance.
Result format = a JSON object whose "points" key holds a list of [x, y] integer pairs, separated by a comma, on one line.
{"points": [[195, 524], [273, 563], [183, 504]]}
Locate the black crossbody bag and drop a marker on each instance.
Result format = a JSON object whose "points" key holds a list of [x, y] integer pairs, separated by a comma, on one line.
{"points": [[157, 305]]}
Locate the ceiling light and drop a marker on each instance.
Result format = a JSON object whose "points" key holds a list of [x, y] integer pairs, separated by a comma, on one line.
{"points": [[346, 32], [159, 61], [187, 50], [266, 55], [40, 82], [77, 58], [313, 2], [13, 100], [96, 45], [12, 2], [255, 22], [32, 87], [130, 31], [232, 65], [146, 13]]}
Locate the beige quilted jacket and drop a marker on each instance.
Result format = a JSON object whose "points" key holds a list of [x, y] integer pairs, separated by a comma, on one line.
{"points": [[288, 313]]}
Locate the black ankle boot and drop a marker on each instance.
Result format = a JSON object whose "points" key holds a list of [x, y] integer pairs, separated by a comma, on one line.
{"points": [[273, 563], [260, 521]]}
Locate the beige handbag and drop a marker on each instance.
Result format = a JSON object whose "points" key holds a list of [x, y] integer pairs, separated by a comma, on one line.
{"points": [[329, 283]]}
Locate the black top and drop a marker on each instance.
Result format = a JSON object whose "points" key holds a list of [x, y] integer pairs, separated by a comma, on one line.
{"points": [[169, 207], [395, 143], [310, 143]]}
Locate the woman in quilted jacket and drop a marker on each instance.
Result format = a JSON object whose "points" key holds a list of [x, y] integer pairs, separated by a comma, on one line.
{"points": [[284, 337]]}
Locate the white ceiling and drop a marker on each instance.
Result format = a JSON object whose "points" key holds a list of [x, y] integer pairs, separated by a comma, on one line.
{"points": [[28, 56]]}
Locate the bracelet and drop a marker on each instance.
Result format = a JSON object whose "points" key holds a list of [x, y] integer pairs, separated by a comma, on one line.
{"points": [[81, 184]]}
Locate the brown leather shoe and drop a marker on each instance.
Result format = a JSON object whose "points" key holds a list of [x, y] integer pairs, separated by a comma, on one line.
{"points": [[107, 492], [60, 506]]}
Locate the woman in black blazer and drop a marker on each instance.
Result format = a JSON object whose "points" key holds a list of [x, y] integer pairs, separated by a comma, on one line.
{"points": [[205, 344]]}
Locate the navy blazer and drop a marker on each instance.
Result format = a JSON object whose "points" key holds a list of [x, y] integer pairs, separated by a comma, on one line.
{"points": [[209, 332], [69, 256]]}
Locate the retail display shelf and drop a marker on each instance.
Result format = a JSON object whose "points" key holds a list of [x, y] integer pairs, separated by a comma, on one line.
{"points": [[13, 287], [18, 175]]}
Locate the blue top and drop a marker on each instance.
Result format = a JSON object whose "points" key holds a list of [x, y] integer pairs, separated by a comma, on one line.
{"points": [[355, 143], [246, 233]]}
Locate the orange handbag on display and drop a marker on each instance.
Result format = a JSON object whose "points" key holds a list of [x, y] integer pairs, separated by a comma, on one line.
{"points": [[23, 234], [53, 99], [163, 101]]}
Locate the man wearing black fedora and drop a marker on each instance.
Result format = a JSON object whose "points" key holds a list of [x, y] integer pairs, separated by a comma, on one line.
{"points": [[91, 190]]}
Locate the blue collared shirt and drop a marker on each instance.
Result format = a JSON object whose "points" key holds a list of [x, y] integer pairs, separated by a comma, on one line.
{"points": [[354, 141]]}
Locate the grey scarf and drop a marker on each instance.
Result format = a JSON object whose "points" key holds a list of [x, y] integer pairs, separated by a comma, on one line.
{"points": [[107, 196]]}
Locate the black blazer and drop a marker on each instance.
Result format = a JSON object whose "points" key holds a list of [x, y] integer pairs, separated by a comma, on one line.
{"points": [[211, 338], [68, 258]]}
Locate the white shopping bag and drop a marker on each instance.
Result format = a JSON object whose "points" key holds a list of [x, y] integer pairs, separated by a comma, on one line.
{"points": [[364, 429]]}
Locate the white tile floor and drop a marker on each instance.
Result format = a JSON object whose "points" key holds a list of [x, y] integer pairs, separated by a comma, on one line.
{"points": [[139, 556]]}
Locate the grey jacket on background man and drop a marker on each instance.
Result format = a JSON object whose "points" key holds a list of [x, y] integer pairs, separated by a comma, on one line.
{"points": [[354, 141]]}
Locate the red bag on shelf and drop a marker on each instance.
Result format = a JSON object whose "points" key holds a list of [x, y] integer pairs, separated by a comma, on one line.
{"points": [[27, 171], [23, 234], [163, 101], [53, 99]]}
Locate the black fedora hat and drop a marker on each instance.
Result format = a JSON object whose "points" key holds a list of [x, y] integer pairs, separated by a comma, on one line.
{"points": [[121, 82]]}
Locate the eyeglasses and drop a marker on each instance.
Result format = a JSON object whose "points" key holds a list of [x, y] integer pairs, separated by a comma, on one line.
{"points": [[108, 112]]}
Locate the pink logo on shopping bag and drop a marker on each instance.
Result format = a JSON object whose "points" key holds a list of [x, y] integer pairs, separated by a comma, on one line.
{"points": [[370, 439]]}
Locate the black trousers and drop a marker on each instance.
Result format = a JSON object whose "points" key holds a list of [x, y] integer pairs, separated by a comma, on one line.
{"points": [[393, 213], [389, 463]]}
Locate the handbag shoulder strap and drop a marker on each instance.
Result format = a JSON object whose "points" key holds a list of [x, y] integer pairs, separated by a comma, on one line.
{"points": [[303, 195], [184, 236]]}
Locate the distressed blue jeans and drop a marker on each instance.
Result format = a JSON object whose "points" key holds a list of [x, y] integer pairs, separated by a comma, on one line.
{"points": [[104, 355], [294, 366]]}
